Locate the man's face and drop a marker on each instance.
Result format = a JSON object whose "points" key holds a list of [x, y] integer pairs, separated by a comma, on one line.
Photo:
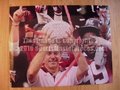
{"points": [[52, 59], [88, 44], [52, 56]]}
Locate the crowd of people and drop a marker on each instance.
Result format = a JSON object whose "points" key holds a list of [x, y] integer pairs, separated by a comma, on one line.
{"points": [[51, 48]]}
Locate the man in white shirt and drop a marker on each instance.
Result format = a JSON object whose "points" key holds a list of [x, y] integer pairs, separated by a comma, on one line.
{"points": [[44, 69], [50, 73]]}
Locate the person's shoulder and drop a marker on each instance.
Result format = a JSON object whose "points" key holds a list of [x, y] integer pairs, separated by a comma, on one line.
{"points": [[43, 70]]}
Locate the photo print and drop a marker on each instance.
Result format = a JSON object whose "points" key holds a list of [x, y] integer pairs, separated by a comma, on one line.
{"points": [[60, 45]]}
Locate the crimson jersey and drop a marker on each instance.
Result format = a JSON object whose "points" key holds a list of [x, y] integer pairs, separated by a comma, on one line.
{"points": [[99, 74]]}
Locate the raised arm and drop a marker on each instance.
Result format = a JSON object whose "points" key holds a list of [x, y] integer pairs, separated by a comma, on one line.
{"points": [[14, 34], [14, 39], [35, 65], [102, 41], [37, 62], [82, 66]]}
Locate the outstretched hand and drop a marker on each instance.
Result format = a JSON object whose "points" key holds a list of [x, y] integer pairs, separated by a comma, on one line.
{"points": [[19, 15]]}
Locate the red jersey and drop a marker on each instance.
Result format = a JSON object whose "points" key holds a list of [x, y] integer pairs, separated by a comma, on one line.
{"points": [[99, 74]]}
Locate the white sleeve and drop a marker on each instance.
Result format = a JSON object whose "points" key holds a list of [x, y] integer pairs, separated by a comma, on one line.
{"points": [[36, 81], [14, 48], [73, 75], [99, 56]]}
